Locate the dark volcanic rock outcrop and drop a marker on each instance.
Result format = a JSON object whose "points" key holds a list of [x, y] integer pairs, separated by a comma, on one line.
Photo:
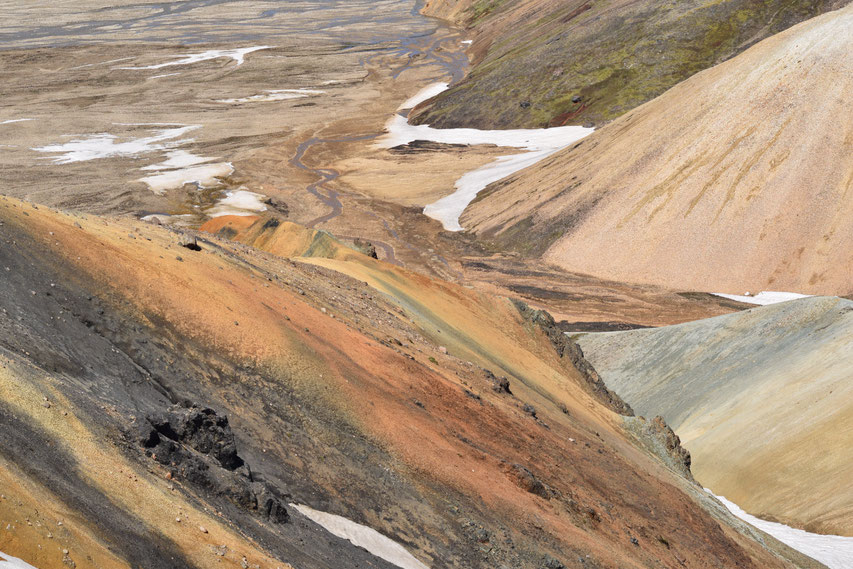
{"points": [[527, 481], [197, 447], [568, 348], [659, 438]]}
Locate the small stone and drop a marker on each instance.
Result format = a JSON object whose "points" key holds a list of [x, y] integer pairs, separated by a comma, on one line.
{"points": [[576, 99], [190, 242], [442, 349], [202, 529], [179, 258]]}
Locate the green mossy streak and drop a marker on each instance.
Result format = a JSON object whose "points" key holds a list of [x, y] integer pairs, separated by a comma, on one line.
{"points": [[614, 57]]}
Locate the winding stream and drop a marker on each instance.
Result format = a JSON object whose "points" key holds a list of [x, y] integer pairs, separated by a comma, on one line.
{"points": [[452, 64], [329, 196]]}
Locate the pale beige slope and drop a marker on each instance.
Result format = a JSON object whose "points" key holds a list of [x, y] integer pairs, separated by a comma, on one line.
{"points": [[763, 399], [737, 179]]}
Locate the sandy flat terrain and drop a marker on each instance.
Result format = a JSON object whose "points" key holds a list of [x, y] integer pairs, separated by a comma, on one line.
{"points": [[181, 114]]}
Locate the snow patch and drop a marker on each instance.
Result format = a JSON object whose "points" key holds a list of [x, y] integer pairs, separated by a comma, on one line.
{"points": [[203, 176], [539, 144], [164, 75], [105, 145], [180, 167], [12, 121], [834, 551], [363, 536], [9, 562], [448, 209], [275, 95], [427, 92], [166, 219], [238, 202], [764, 297], [467, 42], [237, 55], [100, 63], [178, 159]]}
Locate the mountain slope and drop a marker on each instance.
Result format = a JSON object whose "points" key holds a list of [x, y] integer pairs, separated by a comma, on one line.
{"points": [[166, 404], [545, 62], [761, 398], [737, 179]]}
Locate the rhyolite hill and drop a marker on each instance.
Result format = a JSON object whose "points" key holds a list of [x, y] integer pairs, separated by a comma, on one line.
{"points": [[737, 179], [163, 405]]}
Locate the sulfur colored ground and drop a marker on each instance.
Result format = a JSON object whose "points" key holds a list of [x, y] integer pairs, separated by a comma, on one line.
{"points": [[364, 400]]}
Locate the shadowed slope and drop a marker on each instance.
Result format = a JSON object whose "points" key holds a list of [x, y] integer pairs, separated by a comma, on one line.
{"points": [[761, 398], [736, 179]]}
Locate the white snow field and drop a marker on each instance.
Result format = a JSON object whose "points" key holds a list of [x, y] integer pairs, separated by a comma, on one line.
{"points": [[238, 202], [180, 167], [9, 562], [764, 297], [204, 176], [363, 536], [237, 55], [427, 92], [178, 159], [538, 143], [105, 145], [834, 551], [274, 95]]}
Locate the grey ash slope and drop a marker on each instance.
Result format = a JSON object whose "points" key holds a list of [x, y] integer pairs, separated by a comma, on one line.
{"points": [[761, 398]]}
